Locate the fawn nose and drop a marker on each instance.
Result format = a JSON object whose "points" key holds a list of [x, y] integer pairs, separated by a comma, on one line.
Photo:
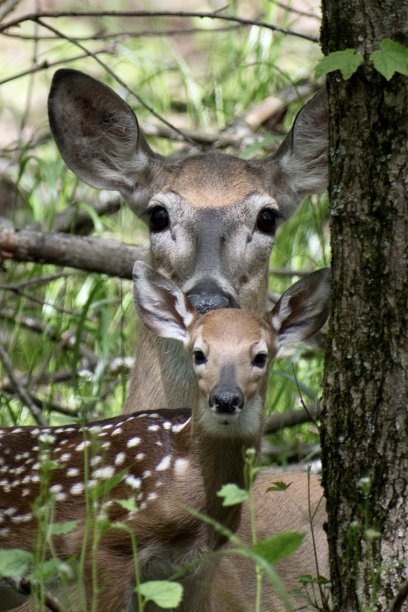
{"points": [[207, 295], [226, 402]]}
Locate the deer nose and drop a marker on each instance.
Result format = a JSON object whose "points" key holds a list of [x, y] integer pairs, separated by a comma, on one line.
{"points": [[207, 295], [226, 402]]}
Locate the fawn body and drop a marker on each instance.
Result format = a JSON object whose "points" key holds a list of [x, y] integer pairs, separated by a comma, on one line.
{"points": [[211, 217], [167, 461]]}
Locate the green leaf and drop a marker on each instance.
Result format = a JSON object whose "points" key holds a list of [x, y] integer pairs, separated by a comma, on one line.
{"points": [[390, 58], [232, 494], [14, 562], [127, 504], [346, 61], [279, 485], [62, 528], [163, 593], [279, 546]]}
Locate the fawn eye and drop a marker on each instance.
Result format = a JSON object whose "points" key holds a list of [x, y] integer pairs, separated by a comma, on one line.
{"points": [[199, 358], [259, 361], [159, 219], [266, 220]]}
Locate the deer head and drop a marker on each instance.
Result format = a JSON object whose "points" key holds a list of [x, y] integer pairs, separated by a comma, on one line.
{"points": [[212, 217]]}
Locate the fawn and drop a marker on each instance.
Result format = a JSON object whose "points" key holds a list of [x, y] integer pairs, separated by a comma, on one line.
{"points": [[166, 461]]}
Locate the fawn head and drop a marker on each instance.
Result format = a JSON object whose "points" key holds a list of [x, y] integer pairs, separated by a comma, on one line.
{"points": [[231, 349], [212, 217]]}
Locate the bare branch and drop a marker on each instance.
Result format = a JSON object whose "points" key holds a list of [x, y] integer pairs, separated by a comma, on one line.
{"points": [[101, 255], [45, 64], [277, 421], [138, 14]]}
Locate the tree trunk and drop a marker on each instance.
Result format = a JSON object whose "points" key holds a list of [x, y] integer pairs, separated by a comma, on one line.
{"points": [[365, 424]]}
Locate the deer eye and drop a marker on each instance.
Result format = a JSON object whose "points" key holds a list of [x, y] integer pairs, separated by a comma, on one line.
{"points": [[159, 219], [259, 361], [199, 358], [267, 220]]}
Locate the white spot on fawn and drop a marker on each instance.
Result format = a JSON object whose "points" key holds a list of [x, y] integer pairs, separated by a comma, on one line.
{"points": [[73, 471], [140, 456], [164, 464], [104, 472], [77, 488], [135, 441], [119, 459], [82, 445], [153, 428], [133, 482]]}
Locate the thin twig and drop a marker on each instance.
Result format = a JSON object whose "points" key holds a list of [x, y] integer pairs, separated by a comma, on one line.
{"points": [[116, 77], [39, 280], [169, 14], [123, 34], [20, 389], [46, 64]]}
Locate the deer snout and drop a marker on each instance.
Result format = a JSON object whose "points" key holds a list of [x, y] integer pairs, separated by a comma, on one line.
{"points": [[208, 295], [225, 402]]}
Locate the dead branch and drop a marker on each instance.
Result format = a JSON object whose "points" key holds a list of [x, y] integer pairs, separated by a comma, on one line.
{"points": [[123, 34], [277, 421], [102, 255], [169, 14]]}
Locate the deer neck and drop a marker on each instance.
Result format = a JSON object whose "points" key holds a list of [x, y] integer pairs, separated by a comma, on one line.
{"points": [[221, 461], [162, 376]]}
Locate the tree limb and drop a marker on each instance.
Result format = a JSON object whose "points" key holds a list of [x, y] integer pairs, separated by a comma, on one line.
{"points": [[102, 255], [277, 421]]}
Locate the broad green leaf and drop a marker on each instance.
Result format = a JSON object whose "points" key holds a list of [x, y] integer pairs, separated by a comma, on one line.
{"points": [[346, 61], [127, 504], [163, 593], [279, 485], [391, 57], [62, 528], [14, 562], [279, 546], [232, 494]]}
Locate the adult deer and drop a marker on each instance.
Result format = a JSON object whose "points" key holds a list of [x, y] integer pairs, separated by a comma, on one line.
{"points": [[212, 217], [168, 461]]}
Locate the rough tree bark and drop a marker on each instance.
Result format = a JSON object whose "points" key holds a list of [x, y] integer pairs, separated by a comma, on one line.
{"points": [[365, 425]]}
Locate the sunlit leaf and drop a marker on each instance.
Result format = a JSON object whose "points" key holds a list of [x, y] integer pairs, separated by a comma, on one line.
{"points": [[279, 546], [163, 593], [232, 494], [14, 562]]}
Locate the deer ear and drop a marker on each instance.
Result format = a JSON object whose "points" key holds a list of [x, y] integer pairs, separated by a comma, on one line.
{"points": [[161, 305], [302, 309], [301, 165], [97, 133]]}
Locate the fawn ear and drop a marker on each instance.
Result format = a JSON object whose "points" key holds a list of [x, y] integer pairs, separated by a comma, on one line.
{"points": [[302, 309], [161, 305]]}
